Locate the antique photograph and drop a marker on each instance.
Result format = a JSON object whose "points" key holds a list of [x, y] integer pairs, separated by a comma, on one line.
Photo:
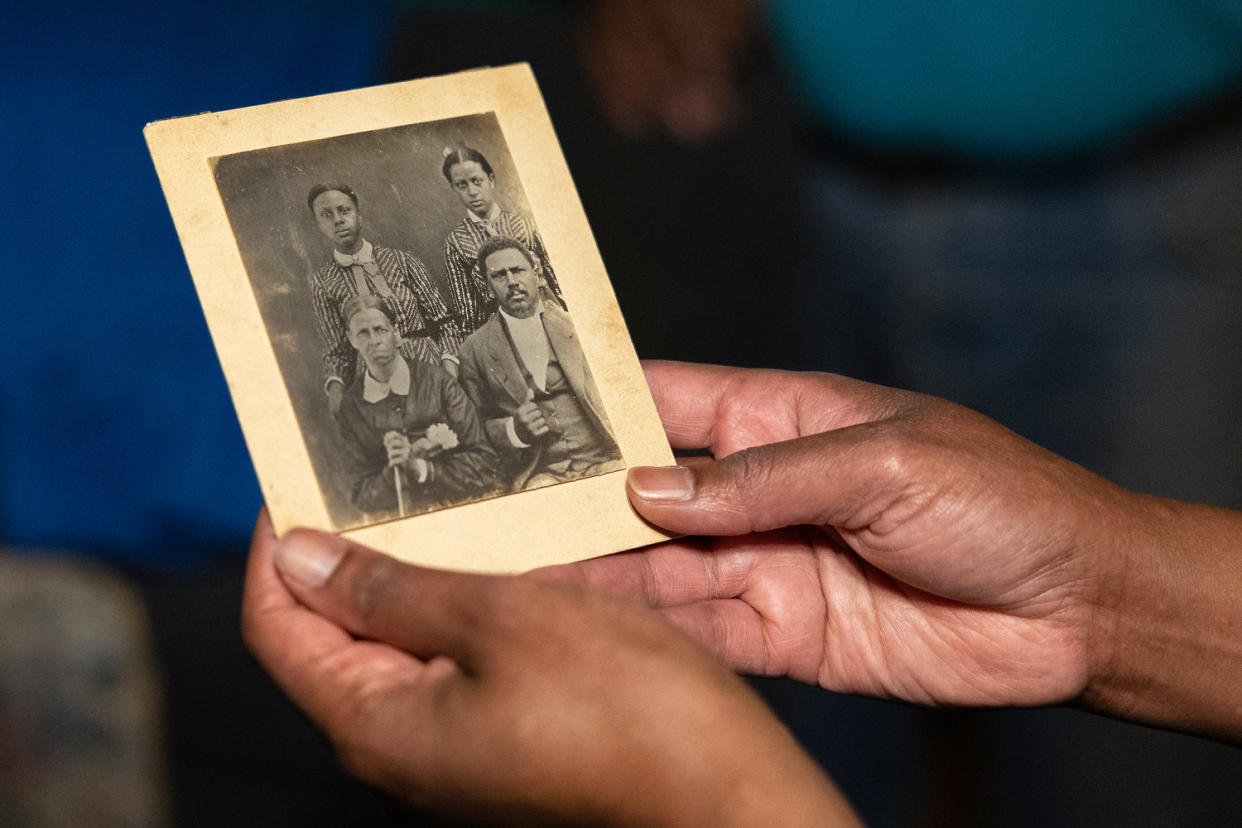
{"points": [[436, 347], [416, 317]]}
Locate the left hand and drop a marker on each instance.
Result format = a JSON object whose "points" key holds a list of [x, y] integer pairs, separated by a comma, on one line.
{"points": [[401, 452], [513, 700]]}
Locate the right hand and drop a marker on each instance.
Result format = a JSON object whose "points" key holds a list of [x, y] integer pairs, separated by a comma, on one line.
{"points": [[871, 540], [398, 447], [529, 421]]}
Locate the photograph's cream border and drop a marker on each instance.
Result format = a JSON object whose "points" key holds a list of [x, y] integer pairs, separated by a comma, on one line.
{"points": [[511, 533]]}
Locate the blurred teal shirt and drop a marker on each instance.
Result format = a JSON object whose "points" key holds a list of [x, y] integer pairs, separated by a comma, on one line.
{"points": [[1004, 79]]}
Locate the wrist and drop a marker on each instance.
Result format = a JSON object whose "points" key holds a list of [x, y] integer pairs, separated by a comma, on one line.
{"points": [[772, 781], [750, 772], [417, 469], [1167, 639]]}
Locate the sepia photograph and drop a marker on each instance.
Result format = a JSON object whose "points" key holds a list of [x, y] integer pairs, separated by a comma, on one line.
{"points": [[416, 318], [435, 348]]}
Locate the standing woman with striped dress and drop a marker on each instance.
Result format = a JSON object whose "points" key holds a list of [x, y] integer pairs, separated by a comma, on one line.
{"points": [[470, 175]]}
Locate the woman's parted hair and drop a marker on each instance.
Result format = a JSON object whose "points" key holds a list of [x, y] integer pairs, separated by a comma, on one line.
{"points": [[355, 305], [461, 155]]}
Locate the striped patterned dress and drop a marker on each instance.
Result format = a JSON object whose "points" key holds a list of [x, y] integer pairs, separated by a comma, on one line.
{"points": [[423, 320], [472, 299]]}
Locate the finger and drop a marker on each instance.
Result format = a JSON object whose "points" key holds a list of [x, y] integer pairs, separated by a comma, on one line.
{"points": [[426, 612], [731, 629], [535, 423], [356, 691], [678, 579], [292, 642], [691, 570], [272, 618], [687, 397], [844, 478], [666, 574], [728, 409]]}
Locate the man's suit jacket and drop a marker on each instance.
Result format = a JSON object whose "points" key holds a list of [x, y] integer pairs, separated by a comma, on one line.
{"points": [[493, 380]]}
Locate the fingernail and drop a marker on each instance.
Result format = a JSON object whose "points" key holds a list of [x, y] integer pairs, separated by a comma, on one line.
{"points": [[662, 484], [309, 557]]}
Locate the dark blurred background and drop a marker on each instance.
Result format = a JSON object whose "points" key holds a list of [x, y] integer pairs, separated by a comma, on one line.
{"points": [[1033, 209]]}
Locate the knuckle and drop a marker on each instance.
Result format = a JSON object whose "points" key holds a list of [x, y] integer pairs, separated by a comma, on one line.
{"points": [[370, 586], [364, 719], [741, 484], [898, 455], [528, 622], [507, 607], [748, 471]]}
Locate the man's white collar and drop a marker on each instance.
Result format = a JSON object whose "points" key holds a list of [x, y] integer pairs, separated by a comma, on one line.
{"points": [[365, 254], [374, 390], [529, 322]]}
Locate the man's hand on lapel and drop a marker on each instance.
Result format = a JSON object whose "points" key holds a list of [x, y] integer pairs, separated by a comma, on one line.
{"points": [[529, 421]]}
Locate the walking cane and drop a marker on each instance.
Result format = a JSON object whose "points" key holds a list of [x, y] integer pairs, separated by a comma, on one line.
{"points": [[396, 476]]}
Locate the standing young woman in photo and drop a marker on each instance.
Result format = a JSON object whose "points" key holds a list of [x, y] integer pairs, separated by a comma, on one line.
{"points": [[470, 175]]}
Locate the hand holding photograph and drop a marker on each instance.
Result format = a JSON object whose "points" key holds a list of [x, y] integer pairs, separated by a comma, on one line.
{"points": [[417, 330]]}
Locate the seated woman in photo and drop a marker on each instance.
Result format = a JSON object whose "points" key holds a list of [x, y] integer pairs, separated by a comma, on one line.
{"points": [[412, 438]]}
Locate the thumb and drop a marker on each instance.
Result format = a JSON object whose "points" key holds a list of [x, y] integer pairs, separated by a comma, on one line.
{"points": [[426, 612], [843, 478]]}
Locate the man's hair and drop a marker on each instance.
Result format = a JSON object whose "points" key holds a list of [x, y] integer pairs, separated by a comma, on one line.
{"points": [[461, 155], [355, 305], [320, 189], [497, 243]]}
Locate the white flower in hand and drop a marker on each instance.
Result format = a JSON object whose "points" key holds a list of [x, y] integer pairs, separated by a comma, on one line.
{"points": [[442, 435]]}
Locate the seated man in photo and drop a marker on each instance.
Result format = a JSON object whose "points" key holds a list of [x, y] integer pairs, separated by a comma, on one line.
{"points": [[413, 440], [526, 373]]}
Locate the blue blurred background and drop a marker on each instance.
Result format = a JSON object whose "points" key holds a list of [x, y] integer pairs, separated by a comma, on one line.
{"points": [[1033, 209], [117, 433]]}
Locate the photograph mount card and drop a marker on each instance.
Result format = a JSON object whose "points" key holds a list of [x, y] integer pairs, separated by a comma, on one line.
{"points": [[416, 327]]}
